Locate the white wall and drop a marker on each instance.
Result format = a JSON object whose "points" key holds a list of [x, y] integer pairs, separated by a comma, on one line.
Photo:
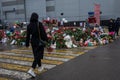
{"points": [[74, 10], [70, 8], [117, 8], [0, 10], [53, 13], [38, 6], [12, 16], [88, 5], [78, 9]]}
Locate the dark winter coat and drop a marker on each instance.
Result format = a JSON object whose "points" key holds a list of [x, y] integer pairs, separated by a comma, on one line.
{"points": [[33, 34], [117, 25], [111, 27]]}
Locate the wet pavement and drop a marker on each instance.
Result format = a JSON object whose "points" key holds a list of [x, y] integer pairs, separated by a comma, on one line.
{"points": [[89, 63], [5, 46], [101, 63], [16, 60]]}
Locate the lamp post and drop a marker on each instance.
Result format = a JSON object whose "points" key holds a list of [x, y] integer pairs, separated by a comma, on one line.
{"points": [[61, 21], [1, 12], [25, 10], [0, 17]]}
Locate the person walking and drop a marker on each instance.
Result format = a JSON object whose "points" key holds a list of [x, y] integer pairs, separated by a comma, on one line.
{"points": [[35, 30], [117, 25], [111, 25]]}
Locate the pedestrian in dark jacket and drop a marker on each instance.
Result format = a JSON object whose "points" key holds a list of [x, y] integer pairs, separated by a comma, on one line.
{"points": [[33, 36], [111, 25], [117, 25]]}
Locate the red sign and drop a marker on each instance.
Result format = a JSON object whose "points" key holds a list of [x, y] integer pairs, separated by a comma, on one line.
{"points": [[97, 13], [92, 20]]}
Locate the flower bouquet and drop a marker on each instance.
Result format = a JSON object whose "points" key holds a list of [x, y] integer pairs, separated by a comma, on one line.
{"points": [[1, 34]]}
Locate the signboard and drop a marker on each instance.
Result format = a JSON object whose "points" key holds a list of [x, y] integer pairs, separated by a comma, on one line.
{"points": [[97, 13]]}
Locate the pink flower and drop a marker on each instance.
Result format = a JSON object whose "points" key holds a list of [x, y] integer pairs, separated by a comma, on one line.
{"points": [[45, 27], [111, 33], [17, 32], [49, 36], [74, 30]]}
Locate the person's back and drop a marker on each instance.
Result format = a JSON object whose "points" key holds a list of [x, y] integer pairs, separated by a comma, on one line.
{"points": [[117, 25], [111, 26], [35, 33], [33, 29], [117, 22]]}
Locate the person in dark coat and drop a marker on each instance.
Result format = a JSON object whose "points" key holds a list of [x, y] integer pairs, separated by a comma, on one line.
{"points": [[33, 37], [111, 25], [117, 25]]}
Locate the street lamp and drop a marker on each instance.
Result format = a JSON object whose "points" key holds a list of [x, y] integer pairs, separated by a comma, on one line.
{"points": [[1, 13], [61, 21], [25, 10]]}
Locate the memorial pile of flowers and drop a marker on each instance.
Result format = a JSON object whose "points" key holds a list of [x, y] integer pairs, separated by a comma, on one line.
{"points": [[16, 38], [70, 37], [63, 37], [1, 34]]}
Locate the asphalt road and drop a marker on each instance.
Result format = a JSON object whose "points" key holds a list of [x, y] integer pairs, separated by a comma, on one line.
{"points": [[101, 63], [4, 46]]}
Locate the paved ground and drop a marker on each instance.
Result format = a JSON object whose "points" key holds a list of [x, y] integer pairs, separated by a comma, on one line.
{"points": [[15, 61], [102, 63], [4, 47]]}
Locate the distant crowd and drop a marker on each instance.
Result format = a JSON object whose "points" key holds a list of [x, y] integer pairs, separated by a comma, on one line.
{"points": [[114, 25]]}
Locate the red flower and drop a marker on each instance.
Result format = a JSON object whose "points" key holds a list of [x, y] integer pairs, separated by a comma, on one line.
{"points": [[58, 31], [54, 21], [2, 33], [47, 21], [49, 49]]}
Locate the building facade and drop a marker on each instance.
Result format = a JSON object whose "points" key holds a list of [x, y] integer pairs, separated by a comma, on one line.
{"points": [[72, 10]]}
